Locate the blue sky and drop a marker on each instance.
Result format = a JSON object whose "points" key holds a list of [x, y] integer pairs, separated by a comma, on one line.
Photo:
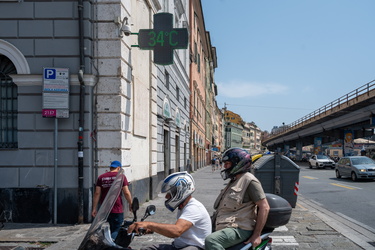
{"points": [[279, 60]]}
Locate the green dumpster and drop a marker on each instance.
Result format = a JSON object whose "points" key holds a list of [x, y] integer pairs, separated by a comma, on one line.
{"points": [[279, 175]]}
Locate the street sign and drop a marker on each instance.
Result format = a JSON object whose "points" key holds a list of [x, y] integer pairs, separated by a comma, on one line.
{"points": [[163, 39], [55, 92]]}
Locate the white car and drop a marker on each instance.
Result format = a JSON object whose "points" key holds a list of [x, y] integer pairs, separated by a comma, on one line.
{"points": [[321, 161]]}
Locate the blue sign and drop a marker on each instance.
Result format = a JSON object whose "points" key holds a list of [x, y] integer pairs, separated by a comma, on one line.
{"points": [[49, 73], [55, 92]]}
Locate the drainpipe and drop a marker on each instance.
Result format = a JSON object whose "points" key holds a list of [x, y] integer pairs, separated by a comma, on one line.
{"points": [[81, 112]]}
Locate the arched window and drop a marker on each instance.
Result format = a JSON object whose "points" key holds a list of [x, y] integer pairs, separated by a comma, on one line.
{"points": [[8, 104]]}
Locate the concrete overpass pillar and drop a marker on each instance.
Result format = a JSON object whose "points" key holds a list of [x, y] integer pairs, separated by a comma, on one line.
{"points": [[286, 150], [299, 151], [278, 150]]}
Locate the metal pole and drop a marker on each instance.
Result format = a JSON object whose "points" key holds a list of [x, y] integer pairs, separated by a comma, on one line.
{"points": [[81, 111], [55, 175], [80, 150]]}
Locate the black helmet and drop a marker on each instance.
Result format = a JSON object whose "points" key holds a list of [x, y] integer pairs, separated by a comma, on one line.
{"points": [[241, 162]]}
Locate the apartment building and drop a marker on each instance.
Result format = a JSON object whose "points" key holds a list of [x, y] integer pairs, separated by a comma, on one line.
{"points": [[239, 133], [200, 68]]}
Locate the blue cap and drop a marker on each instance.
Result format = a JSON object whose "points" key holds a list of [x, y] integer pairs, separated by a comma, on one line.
{"points": [[115, 164]]}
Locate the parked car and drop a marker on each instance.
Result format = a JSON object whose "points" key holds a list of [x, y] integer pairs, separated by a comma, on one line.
{"points": [[356, 167], [335, 158], [321, 161], [306, 157]]}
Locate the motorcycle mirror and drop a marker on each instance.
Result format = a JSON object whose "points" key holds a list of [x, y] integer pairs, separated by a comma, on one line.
{"points": [[135, 207], [150, 210], [135, 204]]}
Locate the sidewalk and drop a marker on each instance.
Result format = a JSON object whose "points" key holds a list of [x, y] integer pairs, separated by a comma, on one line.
{"points": [[305, 229]]}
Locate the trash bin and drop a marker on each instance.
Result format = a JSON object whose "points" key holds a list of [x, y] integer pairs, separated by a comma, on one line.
{"points": [[279, 175]]}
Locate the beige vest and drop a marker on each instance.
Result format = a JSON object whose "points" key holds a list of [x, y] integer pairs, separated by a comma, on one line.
{"points": [[231, 212]]}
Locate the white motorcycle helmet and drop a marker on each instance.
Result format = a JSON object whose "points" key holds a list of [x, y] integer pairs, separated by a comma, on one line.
{"points": [[179, 185]]}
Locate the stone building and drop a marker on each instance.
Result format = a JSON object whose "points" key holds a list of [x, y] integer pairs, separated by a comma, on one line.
{"points": [[114, 103]]}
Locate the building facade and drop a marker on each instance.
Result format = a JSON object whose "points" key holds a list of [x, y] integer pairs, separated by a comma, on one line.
{"points": [[218, 131], [48, 35], [198, 50], [246, 137], [239, 133], [211, 93], [120, 105], [233, 129], [173, 105], [252, 138]]}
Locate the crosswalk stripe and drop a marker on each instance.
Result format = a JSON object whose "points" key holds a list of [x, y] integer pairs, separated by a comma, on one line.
{"points": [[284, 241]]}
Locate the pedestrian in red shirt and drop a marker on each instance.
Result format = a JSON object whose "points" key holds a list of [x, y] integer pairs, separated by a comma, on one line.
{"points": [[103, 184]]}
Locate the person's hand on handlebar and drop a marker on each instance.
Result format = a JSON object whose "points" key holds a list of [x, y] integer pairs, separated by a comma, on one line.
{"points": [[140, 228]]}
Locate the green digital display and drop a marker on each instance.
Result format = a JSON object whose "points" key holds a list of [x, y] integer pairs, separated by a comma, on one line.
{"points": [[163, 39]]}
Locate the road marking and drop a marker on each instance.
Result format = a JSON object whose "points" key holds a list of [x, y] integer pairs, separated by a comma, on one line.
{"points": [[301, 206], [281, 229], [345, 186], [310, 177], [284, 241]]}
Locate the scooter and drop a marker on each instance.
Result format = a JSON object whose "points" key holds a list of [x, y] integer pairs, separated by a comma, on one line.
{"points": [[279, 215], [98, 237], [266, 243], [124, 239]]}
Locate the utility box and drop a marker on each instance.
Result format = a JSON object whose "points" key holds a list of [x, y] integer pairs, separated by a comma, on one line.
{"points": [[278, 175]]}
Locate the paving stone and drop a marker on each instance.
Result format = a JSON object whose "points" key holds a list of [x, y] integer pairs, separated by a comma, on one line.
{"points": [[305, 228], [319, 227]]}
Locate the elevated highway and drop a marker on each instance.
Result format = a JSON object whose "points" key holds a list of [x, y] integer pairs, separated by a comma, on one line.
{"points": [[354, 111]]}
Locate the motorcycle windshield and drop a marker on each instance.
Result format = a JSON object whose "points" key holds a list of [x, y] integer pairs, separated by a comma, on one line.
{"points": [[98, 234]]}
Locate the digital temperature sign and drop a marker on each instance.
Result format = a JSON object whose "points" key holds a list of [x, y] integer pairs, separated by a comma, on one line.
{"points": [[163, 39]]}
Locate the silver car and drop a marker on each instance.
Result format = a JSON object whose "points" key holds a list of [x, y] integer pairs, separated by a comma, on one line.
{"points": [[356, 167]]}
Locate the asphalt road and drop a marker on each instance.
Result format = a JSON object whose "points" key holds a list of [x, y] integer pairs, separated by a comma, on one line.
{"points": [[354, 201]]}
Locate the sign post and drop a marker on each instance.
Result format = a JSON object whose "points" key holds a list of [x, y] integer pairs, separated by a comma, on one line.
{"points": [[55, 105]]}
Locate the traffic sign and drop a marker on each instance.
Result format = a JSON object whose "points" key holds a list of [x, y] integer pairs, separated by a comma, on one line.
{"points": [[55, 92]]}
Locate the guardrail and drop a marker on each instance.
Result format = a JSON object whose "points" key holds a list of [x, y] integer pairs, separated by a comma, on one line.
{"points": [[366, 88]]}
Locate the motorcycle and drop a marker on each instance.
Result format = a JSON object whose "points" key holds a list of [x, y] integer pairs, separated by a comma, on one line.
{"points": [[279, 215], [98, 237], [264, 245]]}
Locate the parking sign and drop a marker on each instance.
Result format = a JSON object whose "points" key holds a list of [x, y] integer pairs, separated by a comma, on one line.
{"points": [[49, 73], [56, 92]]}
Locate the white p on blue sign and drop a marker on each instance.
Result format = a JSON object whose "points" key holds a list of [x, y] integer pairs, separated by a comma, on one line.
{"points": [[49, 73], [55, 92], [56, 79]]}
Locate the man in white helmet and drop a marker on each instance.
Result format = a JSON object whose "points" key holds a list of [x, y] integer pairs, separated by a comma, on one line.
{"points": [[193, 221]]}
